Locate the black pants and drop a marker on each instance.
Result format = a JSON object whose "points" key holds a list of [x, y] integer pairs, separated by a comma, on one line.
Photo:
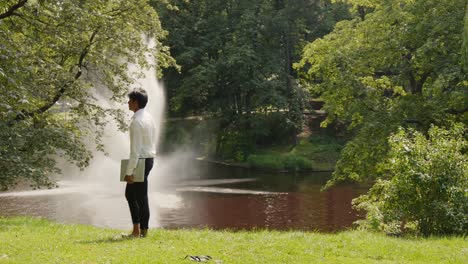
{"points": [[137, 198]]}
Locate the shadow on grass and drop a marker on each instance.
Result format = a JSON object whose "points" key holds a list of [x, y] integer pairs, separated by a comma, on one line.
{"points": [[114, 239]]}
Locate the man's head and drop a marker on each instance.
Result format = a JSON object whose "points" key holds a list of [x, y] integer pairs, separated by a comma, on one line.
{"points": [[137, 99]]}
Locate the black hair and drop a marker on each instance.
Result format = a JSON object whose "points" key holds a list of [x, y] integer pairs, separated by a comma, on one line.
{"points": [[140, 96]]}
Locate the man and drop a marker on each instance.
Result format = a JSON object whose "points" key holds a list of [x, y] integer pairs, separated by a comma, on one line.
{"points": [[142, 146]]}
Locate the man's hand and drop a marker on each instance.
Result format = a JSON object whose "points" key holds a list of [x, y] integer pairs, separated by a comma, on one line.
{"points": [[128, 179]]}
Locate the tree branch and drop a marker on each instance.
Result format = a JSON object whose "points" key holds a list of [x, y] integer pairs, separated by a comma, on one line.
{"points": [[24, 114], [379, 74], [12, 9], [361, 12], [422, 80], [457, 112], [417, 85]]}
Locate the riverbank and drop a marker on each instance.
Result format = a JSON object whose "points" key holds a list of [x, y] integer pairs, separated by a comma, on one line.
{"points": [[32, 240], [313, 148], [314, 154], [318, 153], [311, 151]]}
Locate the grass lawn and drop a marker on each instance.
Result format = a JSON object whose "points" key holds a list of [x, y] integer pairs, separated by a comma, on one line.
{"points": [[32, 240]]}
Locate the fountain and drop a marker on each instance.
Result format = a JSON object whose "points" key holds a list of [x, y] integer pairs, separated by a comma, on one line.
{"points": [[95, 195], [180, 194]]}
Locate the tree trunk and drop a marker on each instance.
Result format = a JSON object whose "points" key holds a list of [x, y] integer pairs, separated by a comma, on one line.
{"points": [[465, 45]]}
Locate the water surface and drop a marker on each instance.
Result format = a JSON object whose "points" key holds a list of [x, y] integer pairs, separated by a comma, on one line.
{"points": [[219, 197]]}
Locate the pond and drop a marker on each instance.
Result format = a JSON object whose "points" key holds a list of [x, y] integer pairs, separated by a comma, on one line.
{"points": [[219, 197]]}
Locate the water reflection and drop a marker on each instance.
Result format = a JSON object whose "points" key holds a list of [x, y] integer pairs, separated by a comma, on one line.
{"points": [[219, 198], [304, 209]]}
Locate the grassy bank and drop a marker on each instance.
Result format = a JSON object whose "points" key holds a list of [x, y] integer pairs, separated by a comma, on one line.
{"points": [[273, 150], [27, 240], [317, 152]]}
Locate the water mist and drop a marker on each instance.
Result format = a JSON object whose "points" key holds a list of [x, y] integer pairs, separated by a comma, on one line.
{"points": [[96, 195], [105, 203]]}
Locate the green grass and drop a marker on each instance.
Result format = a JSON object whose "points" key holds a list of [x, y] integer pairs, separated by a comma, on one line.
{"points": [[31, 240], [279, 161], [318, 153]]}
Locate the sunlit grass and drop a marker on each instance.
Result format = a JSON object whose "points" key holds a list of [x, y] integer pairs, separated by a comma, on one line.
{"points": [[30, 240]]}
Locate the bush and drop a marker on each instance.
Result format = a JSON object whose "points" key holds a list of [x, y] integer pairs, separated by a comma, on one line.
{"points": [[424, 184], [323, 148], [265, 161], [235, 145], [241, 137], [272, 128]]}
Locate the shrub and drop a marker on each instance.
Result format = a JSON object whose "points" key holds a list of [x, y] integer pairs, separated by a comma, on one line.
{"points": [[240, 138], [234, 145], [265, 161], [424, 184]]}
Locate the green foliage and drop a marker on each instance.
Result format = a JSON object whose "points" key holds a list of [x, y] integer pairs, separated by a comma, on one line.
{"points": [[52, 55], [322, 148], [235, 144], [270, 128], [397, 66], [242, 136], [236, 63], [318, 153], [29, 150], [235, 56], [424, 186], [266, 161]]}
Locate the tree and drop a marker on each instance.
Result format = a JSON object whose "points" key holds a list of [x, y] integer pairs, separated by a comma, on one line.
{"points": [[54, 52], [397, 64], [236, 63]]}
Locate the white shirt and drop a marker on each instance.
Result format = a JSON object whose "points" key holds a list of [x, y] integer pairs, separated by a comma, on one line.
{"points": [[142, 139]]}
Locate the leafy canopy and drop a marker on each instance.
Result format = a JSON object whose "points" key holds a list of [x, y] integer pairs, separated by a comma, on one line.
{"points": [[399, 65], [236, 64], [395, 76], [52, 54]]}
